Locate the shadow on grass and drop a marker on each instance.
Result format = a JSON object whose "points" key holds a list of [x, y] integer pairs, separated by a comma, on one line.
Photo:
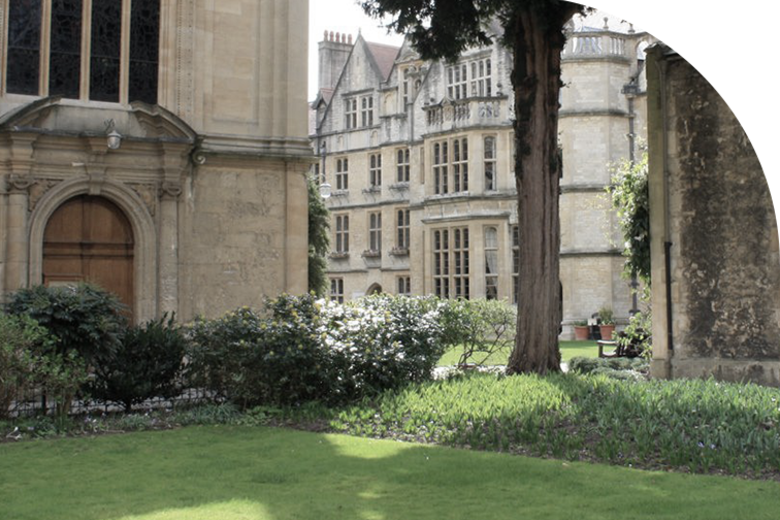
{"points": [[264, 473]]}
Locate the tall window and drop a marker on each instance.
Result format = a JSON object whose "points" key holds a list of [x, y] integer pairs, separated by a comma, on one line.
{"points": [[460, 165], [375, 232], [402, 229], [402, 165], [342, 234], [440, 168], [470, 79], [404, 286], [367, 111], [457, 76], [515, 263], [342, 174], [405, 88], [480, 78], [144, 57], [337, 289], [350, 113], [375, 170], [451, 263], [24, 40], [490, 164], [68, 26], [457, 163], [491, 263]]}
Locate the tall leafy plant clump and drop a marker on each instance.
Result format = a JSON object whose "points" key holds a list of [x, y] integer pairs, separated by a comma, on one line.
{"points": [[630, 196], [21, 338], [28, 363], [147, 364], [83, 319]]}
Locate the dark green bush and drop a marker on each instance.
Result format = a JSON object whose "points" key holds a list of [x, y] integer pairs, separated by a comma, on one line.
{"points": [[147, 364], [83, 319]]}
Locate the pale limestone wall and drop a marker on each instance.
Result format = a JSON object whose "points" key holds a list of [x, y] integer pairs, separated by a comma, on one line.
{"points": [[593, 127], [233, 235], [711, 205], [212, 180]]}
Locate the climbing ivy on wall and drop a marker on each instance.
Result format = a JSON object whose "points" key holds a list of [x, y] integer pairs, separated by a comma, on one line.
{"points": [[319, 240], [630, 198]]}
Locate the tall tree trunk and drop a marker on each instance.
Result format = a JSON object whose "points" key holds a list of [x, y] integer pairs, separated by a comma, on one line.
{"points": [[536, 81]]}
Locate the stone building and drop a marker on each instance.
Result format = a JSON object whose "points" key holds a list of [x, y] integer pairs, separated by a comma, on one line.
{"points": [[715, 256], [157, 148], [420, 159]]}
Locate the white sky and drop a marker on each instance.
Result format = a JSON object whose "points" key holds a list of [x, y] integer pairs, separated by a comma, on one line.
{"points": [[729, 45]]}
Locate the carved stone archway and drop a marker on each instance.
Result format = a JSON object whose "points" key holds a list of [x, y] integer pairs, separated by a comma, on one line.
{"points": [[145, 248]]}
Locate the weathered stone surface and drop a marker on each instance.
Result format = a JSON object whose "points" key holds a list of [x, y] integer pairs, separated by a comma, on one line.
{"points": [[723, 229]]}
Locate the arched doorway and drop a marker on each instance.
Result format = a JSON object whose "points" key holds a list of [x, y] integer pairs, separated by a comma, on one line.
{"points": [[89, 239], [374, 289]]}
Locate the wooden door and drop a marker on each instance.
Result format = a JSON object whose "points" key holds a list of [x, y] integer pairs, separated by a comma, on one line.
{"points": [[90, 239]]}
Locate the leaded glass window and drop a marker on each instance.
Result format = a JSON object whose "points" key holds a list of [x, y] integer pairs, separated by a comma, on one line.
{"points": [[24, 46], [144, 50], [65, 57], [106, 50]]}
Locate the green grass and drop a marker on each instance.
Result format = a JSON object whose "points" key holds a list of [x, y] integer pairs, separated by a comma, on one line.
{"points": [[242, 473], [569, 349]]}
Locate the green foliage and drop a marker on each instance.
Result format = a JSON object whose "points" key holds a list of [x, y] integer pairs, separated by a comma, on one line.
{"points": [[224, 355], [482, 328], [695, 425], [302, 349], [83, 319], [319, 240], [22, 341], [147, 363], [61, 376], [606, 316], [631, 199], [637, 335], [620, 367]]}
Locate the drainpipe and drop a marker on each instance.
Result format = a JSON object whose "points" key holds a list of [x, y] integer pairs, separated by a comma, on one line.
{"points": [[630, 90]]}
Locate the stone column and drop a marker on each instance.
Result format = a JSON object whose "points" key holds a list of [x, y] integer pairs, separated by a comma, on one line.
{"points": [[17, 247], [168, 267]]}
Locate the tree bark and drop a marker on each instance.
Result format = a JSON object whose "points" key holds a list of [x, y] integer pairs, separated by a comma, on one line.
{"points": [[536, 81]]}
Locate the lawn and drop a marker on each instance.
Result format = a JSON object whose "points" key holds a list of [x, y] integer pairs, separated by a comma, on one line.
{"points": [[241, 473], [569, 349]]}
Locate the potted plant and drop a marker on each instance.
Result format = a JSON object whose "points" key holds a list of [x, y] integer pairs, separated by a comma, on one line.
{"points": [[606, 323], [581, 330]]}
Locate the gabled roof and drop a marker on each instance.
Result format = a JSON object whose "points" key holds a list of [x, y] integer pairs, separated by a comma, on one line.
{"points": [[384, 55]]}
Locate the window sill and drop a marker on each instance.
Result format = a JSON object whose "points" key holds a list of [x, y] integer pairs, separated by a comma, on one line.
{"points": [[400, 251], [339, 256], [370, 253]]}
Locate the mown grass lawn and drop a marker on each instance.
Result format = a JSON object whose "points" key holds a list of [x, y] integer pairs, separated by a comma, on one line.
{"points": [[569, 349], [241, 473]]}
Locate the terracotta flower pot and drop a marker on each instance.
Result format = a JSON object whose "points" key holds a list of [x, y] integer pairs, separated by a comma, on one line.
{"points": [[606, 331], [581, 332]]}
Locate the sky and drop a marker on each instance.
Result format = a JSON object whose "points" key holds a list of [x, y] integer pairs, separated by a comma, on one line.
{"points": [[730, 46]]}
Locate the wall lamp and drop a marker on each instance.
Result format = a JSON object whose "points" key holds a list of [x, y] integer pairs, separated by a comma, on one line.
{"points": [[113, 138]]}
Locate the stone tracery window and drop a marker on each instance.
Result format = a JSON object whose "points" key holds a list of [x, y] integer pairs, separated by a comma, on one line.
{"points": [[68, 27], [23, 54]]}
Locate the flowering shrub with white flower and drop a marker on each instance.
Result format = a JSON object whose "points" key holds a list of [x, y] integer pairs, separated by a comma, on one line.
{"points": [[381, 341], [303, 349]]}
